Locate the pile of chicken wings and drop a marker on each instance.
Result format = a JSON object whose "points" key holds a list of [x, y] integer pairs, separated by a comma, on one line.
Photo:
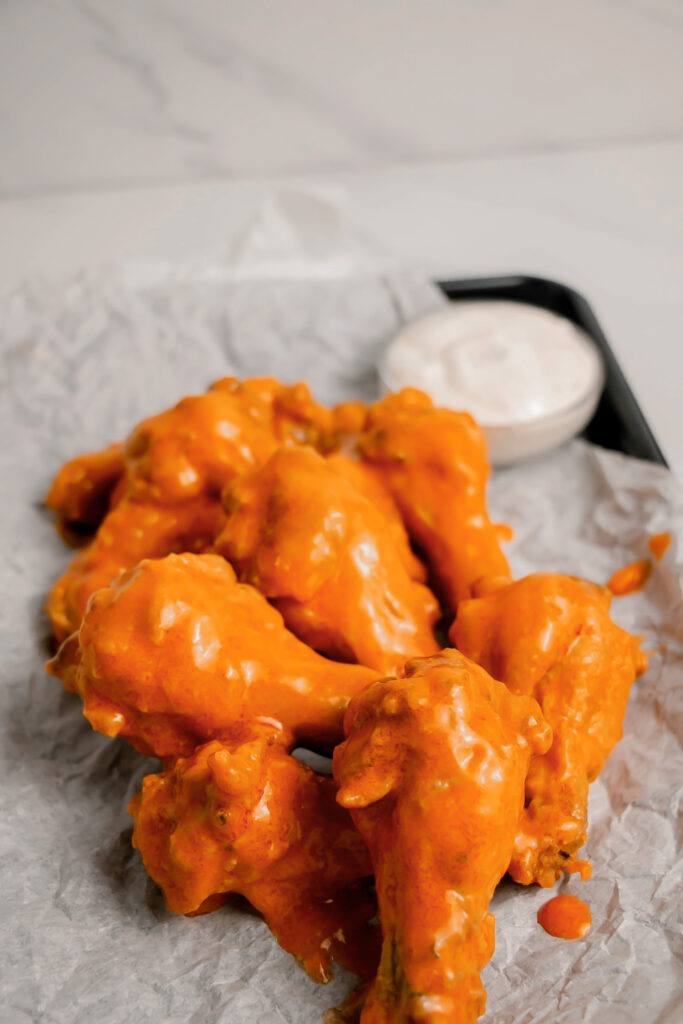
{"points": [[256, 574]]}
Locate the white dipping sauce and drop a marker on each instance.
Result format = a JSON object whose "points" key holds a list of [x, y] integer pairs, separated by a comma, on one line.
{"points": [[530, 378]]}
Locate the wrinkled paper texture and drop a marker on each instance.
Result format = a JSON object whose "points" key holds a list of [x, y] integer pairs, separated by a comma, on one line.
{"points": [[84, 936]]}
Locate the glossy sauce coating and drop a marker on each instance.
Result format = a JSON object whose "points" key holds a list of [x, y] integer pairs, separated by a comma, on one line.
{"points": [[433, 461], [176, 652], [294, 417], [168, 479], [659, 544], [367, 482], [81, 491], [243, 816], [193, 449], [551, 636], [582, 868], [348, 421], [630, 578], [323, 554], [565, 917], [433, 772], [131, 531]]}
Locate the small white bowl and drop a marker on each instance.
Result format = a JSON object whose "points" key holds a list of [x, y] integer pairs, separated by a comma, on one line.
{"points": [[514, 435]]}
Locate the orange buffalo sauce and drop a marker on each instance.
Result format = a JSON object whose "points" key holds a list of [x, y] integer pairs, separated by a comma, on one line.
{"points": [[631, 578], [505, 532], [565, 917], [659, 544], [582, 868], [551, 636]]}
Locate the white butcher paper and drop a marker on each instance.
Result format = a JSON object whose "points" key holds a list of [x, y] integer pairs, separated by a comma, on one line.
{"points": [[84, 935]]}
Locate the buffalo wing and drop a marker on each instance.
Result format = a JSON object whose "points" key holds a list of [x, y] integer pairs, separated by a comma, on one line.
{"points": [[306, 538], [434, 463], [433, 773], [243, 816], [551, 636], [175, 652]]}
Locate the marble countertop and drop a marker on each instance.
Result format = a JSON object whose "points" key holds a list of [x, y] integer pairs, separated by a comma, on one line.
{"points": [[464, 137]]}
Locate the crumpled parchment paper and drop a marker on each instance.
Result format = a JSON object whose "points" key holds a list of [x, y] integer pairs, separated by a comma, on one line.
{"points": [[84, 936]]}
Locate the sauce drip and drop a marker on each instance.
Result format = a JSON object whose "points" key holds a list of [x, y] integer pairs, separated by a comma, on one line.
{"points": [[659, 544], [582, 868], [505, 532], [565, 917], [630, 578]]}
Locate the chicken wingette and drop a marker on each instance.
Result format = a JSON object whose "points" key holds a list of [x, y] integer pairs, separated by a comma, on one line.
{"points": [[244, 816]]}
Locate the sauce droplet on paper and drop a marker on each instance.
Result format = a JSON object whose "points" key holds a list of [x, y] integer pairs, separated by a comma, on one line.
{"points": [[565, 917], [659, 544], [631, 578]]}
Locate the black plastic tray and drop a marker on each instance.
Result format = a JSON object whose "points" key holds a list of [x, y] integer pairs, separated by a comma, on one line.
{"points": [[618, 422]]}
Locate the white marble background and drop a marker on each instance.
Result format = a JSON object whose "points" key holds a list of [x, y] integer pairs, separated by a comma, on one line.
{"points": [[465, 136]]}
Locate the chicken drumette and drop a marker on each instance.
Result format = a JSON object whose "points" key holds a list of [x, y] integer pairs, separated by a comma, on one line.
{"points": [[243, 816], [434, 464], [551, 636], [433, 773], [308, 540], [175, 652]]}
